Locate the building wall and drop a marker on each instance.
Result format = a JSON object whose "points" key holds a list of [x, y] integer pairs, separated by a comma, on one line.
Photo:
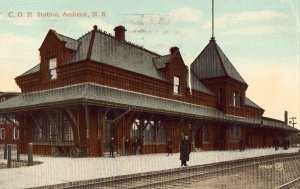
{"points": [[6, 125]]}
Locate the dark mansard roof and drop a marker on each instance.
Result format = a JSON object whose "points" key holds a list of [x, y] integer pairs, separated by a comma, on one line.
{"points": [[249, 102], [70, 43], [95, 94], [125, 55], [212, 63]]}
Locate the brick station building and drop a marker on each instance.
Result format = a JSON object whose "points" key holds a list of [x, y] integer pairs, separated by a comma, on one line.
{"points": [[9, 132], [85, 91]]}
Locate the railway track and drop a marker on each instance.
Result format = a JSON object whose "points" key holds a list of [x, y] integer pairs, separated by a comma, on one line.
{"points": [[293, 184], [174, 178]]}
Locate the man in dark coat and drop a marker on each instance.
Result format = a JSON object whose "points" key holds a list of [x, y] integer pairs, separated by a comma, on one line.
{"points": [[135, 146], [169, 147], [242, 146], [185, 151], [111, 147], [126, 144]]}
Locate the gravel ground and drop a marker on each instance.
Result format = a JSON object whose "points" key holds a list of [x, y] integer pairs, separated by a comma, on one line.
{"points": [[261, 175]]}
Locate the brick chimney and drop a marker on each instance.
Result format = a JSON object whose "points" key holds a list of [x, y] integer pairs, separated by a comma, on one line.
{"points": [[120, 33], [285, 117], [173, 50]]}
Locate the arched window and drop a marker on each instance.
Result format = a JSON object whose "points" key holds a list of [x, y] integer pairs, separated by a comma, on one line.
{"points": [[134, 129], [205, 135], [161, 135], [37, 134], [149, 132], [68, 132], [52, 131]]}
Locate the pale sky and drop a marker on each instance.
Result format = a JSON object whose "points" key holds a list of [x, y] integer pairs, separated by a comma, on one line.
{"points": [[260, 37]]}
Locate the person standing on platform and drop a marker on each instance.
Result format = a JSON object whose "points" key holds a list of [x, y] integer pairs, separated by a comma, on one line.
{"points": [[126, 144], [139, 145], [135, 146], [169, 147], [185, 151], [242, 146], [111, 147]]}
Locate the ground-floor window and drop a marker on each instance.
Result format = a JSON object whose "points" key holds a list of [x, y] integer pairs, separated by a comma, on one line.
{"points": [[235, 133], [68, 133], [161, 135], [37, 134], [152, 129], [2, 133], [51, 131], [149, 132], [205, 135], [134, 129], [15, 134]]}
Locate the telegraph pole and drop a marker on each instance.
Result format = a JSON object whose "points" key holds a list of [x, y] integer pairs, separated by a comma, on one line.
{"points": [[293, 121]]}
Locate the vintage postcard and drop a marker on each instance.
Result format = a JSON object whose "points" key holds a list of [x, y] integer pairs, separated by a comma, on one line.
{"points": [[149, 94]]}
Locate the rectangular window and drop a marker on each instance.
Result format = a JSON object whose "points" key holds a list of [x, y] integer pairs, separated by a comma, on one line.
{"points": [[2, 133], [176, 85], [235, 99], [2, 120], [52, 68], [15, 133], [205, 135], [235, 133]]}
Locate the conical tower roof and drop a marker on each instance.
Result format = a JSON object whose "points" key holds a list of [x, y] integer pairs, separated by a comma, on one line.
{"points": [[213, 63]]}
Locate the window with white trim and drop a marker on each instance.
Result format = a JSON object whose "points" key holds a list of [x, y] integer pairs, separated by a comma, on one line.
{"points": [[52, 68], [235, 99], [68, 132], [37, 134], [15, 133], [2, 133], [2, 120], [134, 130], [51, 131], [176, 89], [149, 132], [161, 135]]}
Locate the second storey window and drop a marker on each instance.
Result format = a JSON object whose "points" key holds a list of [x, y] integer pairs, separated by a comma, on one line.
{"points": [[15, 134], [52, 68], [2, 120], [235, 99], [176, 85]]}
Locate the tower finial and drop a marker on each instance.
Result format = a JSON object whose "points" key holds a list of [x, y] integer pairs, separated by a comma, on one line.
{"points": [[212, 19]]}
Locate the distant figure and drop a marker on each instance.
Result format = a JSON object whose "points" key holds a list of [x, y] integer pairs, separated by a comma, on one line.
{"points": [[169, 147], [135, 146], [185, 151], [111, 147], [242, 145], [276, 144], [126, 144], [286, 144], [139, 145]]}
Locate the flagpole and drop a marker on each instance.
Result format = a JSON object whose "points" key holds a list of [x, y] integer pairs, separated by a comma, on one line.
{"points": [[213, 35]]}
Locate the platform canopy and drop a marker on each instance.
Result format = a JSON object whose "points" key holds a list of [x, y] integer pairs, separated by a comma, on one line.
{"points": [[100, 95]]}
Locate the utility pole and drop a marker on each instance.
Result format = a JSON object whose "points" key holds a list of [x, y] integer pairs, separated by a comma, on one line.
{"points": [[293, 121]]}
